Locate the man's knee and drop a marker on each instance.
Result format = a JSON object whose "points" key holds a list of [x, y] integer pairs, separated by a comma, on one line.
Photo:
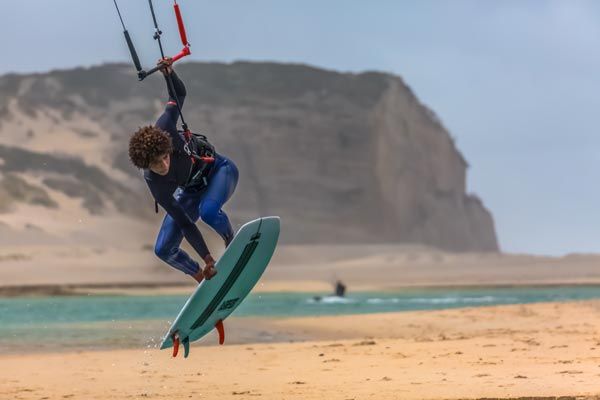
{"points": [[162, 251], [209, 212]]}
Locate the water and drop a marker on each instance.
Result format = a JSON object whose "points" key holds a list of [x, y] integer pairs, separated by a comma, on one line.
{"points": [[114, 321]]}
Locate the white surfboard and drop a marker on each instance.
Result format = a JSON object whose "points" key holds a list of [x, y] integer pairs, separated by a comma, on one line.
{"points": [[239, 269]]}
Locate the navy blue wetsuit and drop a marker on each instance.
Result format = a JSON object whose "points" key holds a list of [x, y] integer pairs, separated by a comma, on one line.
{"points": [[185, 205]]}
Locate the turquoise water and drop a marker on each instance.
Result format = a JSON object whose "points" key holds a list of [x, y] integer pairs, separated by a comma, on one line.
{"points": [[114, 321]]}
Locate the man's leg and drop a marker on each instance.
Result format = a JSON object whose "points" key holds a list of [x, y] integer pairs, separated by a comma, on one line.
{"points": [[170, 237], [219, 190]]}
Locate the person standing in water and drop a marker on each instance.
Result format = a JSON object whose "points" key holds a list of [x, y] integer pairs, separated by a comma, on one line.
{"points": [[188, 179]]}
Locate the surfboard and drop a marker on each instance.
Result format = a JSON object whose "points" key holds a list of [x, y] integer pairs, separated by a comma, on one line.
{"points": [[239, 269]]}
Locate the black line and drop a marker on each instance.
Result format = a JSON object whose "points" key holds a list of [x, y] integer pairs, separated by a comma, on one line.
{"points": [[119, 12], [256, 236], [235, 273]]}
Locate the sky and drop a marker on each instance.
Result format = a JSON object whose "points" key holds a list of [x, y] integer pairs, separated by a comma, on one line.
{"points": [[515, 82]]}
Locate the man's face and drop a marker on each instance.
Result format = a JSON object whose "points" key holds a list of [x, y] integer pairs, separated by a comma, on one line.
{"points": [[161, 165]]}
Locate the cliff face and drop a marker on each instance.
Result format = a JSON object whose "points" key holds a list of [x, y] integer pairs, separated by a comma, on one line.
{"points": [[420, 176], [340, 157]]}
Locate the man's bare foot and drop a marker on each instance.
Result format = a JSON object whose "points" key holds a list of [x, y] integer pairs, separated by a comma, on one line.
{"points": [[199, 276], [209, 272], [209, 269]]}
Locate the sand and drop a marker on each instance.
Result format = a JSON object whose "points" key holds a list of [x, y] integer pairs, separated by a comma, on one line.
{"points": [[495, 352]]}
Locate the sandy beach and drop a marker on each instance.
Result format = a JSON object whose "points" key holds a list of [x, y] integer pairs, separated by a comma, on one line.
{"points": [[542, 350]]}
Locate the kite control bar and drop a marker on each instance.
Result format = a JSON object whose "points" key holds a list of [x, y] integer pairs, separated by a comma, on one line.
{"points": [[184, 52], [134, 56], [157, 32], [142, 74]]}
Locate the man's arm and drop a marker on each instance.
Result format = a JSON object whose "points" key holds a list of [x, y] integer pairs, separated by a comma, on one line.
{"points": [[168, 120], [178, 86], [188, 227], [171, 113]]}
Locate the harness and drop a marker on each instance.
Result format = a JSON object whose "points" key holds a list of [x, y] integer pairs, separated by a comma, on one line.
{"points": [[202, 154]]}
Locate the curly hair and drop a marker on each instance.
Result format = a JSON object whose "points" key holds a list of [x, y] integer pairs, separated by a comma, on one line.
{"points": [[147, 144]]}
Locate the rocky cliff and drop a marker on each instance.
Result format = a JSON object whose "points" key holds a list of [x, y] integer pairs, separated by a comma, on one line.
{"points": [[340, 157]]}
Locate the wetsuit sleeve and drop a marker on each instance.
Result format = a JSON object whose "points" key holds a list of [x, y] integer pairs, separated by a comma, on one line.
{"points": [[190, 231], [180, 91], [168, 120]]}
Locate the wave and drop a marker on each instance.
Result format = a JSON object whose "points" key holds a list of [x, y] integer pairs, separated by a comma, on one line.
{"points": [[383, 301], [417, 300], [456, 299], [330, 300]]}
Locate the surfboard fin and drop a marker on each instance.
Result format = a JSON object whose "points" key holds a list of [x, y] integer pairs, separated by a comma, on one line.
{"points": [[221, 330], [175, 345], [186, 347]]}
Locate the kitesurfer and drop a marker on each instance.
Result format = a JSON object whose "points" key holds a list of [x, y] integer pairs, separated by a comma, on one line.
{"points": [[187, 178]]}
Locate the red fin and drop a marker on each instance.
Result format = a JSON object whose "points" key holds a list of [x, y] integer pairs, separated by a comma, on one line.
{"points": [[221, 331], [175, 345]]}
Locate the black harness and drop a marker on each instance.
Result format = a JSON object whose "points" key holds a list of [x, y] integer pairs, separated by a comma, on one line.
{"points": [[202, 153]]}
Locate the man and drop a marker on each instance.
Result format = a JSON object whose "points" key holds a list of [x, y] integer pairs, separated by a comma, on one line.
{"points": [[188, 186]]}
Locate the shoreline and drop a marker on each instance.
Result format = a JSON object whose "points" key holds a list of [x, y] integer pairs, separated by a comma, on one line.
{"points": [[182, 288]]}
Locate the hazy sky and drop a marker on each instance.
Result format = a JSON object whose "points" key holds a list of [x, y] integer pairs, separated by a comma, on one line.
{"points": [[515, 82]]}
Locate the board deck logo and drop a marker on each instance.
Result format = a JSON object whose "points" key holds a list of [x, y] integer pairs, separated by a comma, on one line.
{"points": [[228, 304], [224, 290]]}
